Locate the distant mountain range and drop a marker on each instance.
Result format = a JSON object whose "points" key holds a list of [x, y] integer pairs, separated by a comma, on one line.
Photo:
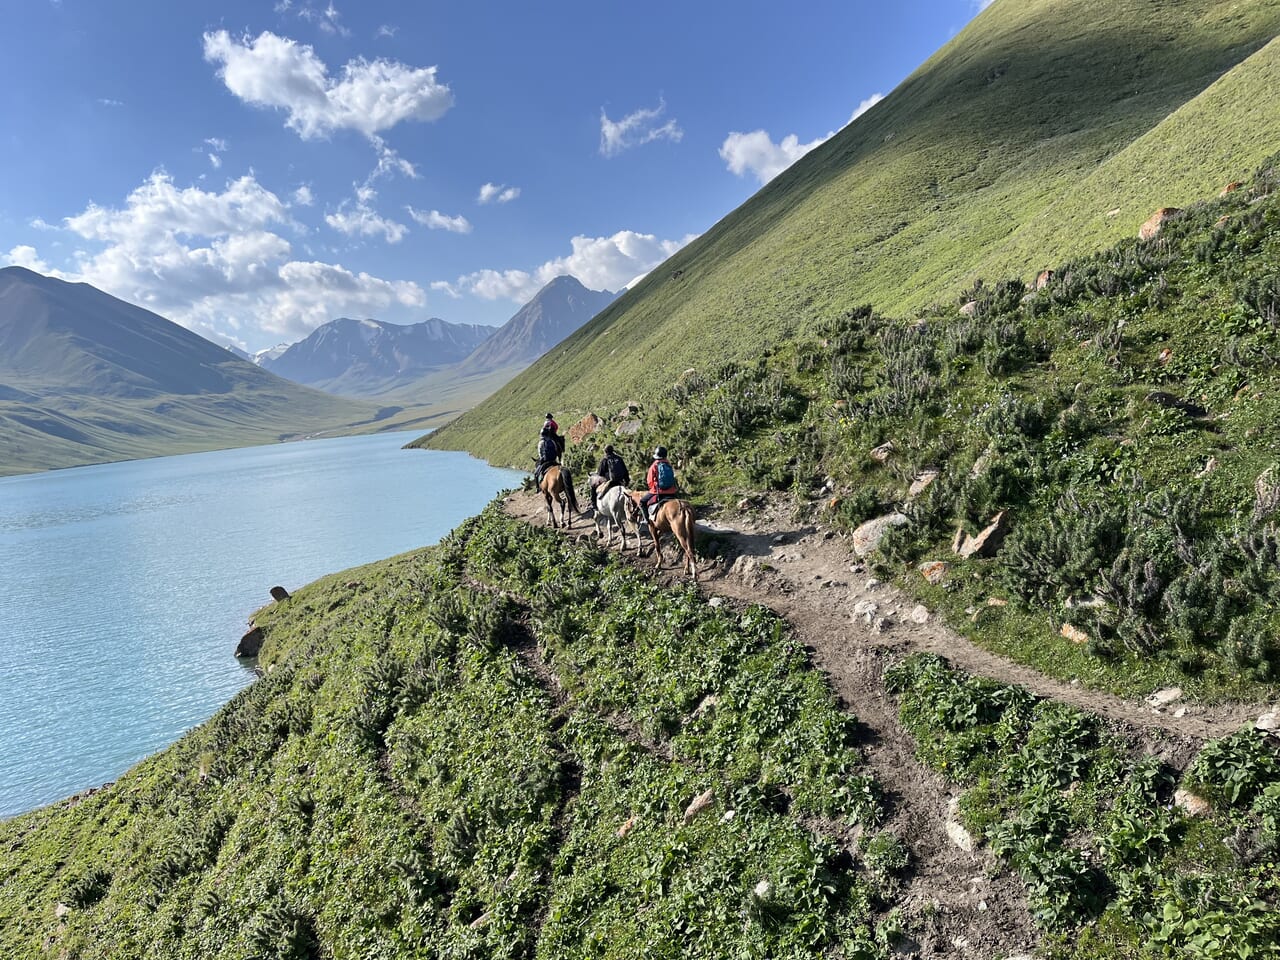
{"points": [[372, 358], [369, 357], [86, 378]]}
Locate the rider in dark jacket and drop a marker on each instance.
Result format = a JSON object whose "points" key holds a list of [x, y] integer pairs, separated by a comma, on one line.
{"points": [[550, 447], [612, 472]]}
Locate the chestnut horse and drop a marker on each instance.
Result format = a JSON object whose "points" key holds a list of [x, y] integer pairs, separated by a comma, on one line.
{"points": [[673, 516], [557, 487]]}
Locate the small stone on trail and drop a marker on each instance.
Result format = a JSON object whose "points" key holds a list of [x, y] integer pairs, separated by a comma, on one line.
{"points": [[1180, 713], [780, 538], [961, 837], [865, 607], [1269, 722], [879, 625], [1162, 698], [61, 910], [872, 583], [920, 614], [716, 602]]}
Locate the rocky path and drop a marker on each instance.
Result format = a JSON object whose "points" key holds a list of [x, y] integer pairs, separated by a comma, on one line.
{"points": [[957, 903]]}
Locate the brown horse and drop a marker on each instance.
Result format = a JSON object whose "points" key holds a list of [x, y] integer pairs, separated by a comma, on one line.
{"points": [[673, 516], [557, 487]]}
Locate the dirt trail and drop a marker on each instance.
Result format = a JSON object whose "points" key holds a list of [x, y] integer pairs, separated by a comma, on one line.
{"points": [[957, 903]]}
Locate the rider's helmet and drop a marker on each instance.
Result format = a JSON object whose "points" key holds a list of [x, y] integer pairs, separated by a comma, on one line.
{"points": [[608, 448], [660, 453]]}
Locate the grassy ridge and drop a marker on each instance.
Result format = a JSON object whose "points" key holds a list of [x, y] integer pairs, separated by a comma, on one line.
{"points": [[406, 779], [1001, 126]]}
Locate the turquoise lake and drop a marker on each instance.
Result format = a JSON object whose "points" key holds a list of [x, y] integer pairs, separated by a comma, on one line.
{"points": [[124, 587]]}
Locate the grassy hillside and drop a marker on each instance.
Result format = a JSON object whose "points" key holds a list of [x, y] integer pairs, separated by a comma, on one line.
{"points": [[988, 159], [52, 432], [484, 750], [1125, 418], [500, 748]]}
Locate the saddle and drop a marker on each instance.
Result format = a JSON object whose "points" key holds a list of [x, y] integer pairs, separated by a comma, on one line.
{"points": [[658, 501]]}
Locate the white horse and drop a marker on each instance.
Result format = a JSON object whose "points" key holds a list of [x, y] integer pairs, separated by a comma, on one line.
{"points": [[611, 512]]}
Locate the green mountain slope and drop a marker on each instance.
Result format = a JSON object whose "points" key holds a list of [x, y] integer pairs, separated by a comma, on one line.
{"points": [[87, 378], [902, 207]]}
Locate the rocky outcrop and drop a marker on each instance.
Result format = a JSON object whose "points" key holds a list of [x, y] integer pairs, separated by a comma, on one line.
{"points": [[935, 571], [868, 536], [1155, 223], [986, 543], [1074, 633], [1044, 278], [1231, 188], [882, 453], [279, 593], [584, 428], [250, 643], [701, 802]]}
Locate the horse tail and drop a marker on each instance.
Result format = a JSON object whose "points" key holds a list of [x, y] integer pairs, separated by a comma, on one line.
{"points": [[570, 494]]}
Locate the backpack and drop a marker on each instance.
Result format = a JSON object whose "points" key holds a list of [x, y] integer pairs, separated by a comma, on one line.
{"points": [[666, 476]]}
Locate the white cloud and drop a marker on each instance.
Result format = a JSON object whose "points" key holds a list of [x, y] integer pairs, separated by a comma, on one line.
{"points": [[217, 144], [25, 256], [108, 102], [386, 30], [865, 105], [497, 193], [756, 152], [390, 163], [360, 219], [215, 161], [635, 129], [369, 96], [435, 220], [210, 259], [600, 263], [303, 196]]}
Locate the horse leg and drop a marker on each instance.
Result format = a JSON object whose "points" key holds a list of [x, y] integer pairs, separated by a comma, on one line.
{"points": [[657, 547], [551, 517]]}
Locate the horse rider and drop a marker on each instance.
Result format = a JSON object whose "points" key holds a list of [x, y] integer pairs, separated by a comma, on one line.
{"points": [[612, 473], [550, 446], [552, 429], [661, 480]]}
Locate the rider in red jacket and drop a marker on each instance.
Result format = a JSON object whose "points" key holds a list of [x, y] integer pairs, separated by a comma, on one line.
{"points": [[652, 482]]}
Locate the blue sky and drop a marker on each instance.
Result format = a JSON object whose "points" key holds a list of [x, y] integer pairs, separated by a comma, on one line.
{"points": [[254, 169]]}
